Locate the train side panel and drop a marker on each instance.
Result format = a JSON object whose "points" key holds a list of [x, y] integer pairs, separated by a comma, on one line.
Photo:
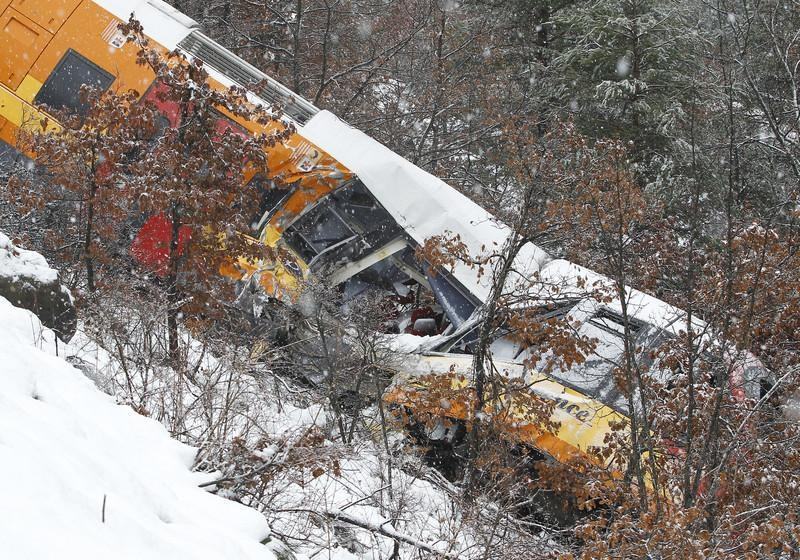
{"points": [[51, 47]]}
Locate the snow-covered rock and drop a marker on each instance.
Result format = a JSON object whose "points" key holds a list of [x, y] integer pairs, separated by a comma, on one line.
{"points": [[27, 281], [86, 478]]}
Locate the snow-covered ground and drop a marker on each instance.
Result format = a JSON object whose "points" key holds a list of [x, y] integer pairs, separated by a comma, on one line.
{"points": [[84, 477], [320, 496], [87, 478]]}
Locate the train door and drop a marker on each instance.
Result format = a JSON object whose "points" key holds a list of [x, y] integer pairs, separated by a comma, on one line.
{"points": [[21, 40], [151, 245], [49, 14]]}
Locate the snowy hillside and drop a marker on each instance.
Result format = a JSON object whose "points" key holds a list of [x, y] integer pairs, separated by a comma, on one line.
{"points": [[87, 478]]}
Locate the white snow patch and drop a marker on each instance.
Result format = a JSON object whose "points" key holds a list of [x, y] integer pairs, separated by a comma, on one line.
{"points": [[409, 343], [66, 448], [18, 263]]}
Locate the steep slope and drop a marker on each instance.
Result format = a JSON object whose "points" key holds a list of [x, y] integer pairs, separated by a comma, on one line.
{"points": [[86, 478]]}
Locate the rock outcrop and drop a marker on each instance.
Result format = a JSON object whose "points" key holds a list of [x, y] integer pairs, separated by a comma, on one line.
{"points": [[27, 281]]}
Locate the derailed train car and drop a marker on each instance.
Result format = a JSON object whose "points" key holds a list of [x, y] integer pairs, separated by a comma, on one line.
{"points": [[355, 211], [588, 401]]}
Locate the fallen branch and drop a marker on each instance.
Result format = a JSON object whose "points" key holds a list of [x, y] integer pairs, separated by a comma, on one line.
{"points": [[384, 529]]}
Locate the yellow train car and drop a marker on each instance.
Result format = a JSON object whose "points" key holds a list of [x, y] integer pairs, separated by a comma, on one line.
{"points": [[50, 48], [581, 423]]}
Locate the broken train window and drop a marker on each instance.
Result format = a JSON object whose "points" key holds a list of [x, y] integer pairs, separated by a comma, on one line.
{"points": [[345, 226], [357, 244], [518, 340]]}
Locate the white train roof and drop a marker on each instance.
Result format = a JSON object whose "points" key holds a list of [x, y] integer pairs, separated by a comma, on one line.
{"points": [[425, 206], [160, 21], [575, 281], [421, 203]]}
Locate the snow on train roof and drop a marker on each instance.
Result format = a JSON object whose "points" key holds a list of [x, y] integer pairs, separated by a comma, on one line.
{"points": [[421, 203], [160, 21], [576, 281]]}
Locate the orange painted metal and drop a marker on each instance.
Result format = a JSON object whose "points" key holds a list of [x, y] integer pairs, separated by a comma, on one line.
{"points": [[29, 57], [21, 41], [87, 32], [50, 14]]}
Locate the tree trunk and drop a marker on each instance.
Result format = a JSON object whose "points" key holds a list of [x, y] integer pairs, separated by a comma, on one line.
{"points": [[87, 240], [173, 296], [482, 353]]}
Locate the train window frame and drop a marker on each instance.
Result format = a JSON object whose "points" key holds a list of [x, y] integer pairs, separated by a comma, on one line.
{"points": [[299, 231], [611, 322], [298, 244], [50, 92], [557, 309], [451, 297]]}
